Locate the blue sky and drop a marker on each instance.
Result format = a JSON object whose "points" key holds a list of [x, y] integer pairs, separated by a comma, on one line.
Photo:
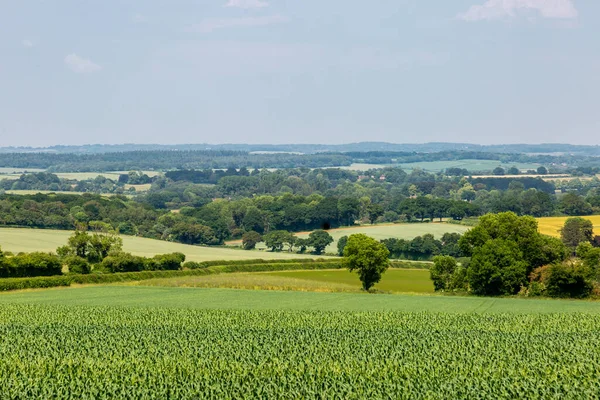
{"points": [[299, 71]]}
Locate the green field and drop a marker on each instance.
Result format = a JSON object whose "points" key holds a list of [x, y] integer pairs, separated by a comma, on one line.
{"points": [[233, 299], [107, 352], [28, 240], [385, 231], [470, 165], [394, 280]]}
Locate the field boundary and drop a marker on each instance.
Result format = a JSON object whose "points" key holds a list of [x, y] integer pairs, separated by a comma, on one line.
{"points": [[9, 284]]}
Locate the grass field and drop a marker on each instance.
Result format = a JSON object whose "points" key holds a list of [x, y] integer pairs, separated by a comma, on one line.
{"points": [[394, 280], [384, 231], [470, 165], [551, 225], [233, 299], [14, 173], [28, 240]]}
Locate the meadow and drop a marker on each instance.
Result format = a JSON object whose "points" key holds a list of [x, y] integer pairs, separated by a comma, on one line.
{"points": [[384, 231], [15, 173], [29, 240], [393, 281], [112, 352], [552, 225]]}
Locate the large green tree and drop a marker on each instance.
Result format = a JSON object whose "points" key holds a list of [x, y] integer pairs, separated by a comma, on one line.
{"points": [[366, 256], [576, 230], [505, 249], [319, 240]]}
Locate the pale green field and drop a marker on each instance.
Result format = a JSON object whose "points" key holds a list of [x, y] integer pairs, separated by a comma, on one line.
{"points": [[335, 280], [471, 165], [28, 240], [385, 231], [14, 170], [362, 167], [78, 176]]}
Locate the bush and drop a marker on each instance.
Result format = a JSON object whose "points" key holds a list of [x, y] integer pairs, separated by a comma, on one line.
{"points": [[171, 262], [567, 280], [30, 265], [77, 265], [34, 283], [193, 265], [123, 262]]}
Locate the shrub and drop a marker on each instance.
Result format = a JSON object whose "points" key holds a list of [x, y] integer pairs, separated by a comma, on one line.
{"points": [[193, 265], [567, 280], [77, 265]]}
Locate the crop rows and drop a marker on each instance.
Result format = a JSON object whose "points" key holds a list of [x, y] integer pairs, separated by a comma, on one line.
{"points": [[102, 352]]}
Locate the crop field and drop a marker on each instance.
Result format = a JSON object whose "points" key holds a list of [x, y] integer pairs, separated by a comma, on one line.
{"points": [[28, 240], [393, 280], [384, 231], [234, 299], [107, 352], [471, 165], [551, 225]]}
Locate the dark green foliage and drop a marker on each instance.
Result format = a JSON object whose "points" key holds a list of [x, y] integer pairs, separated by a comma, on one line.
{"points": [[250, 239], [319, 240], [567, 280], [275, 240], [497, 268], [77, 265], [577, 230], [34, 282], [446, 274], [341, 244], [572, 204], [368, 257], [192, 265], [29, 265]]}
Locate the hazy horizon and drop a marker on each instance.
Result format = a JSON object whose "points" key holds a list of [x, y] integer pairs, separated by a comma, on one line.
{"points": [[270, 71]]}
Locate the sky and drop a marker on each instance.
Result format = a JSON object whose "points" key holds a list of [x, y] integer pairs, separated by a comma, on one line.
{"points": [[299, 71]]}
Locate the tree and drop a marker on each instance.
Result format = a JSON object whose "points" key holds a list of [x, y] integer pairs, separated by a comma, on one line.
{"points": [[498, 171], [275, 240], [542, 170], [368, 257], [319, 240], [573, 204], [505, 249], [302, 244], [375, 211], [251, 239], [576, 230], [567, 280], [341, 244], [513, 171], [446, 274], [497, 268]]}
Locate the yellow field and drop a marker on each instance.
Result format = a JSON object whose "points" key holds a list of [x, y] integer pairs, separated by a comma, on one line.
{"points": [[551, 225]]}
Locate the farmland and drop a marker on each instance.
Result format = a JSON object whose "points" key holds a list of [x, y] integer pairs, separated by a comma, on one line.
{"points": [[394, 280], [551, 225], [29, 240], [196, 350], [385, 231]]}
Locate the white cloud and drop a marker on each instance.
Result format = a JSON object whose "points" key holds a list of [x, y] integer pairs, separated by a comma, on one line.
{"points": [[81, 65], [498, 9], [139, 18], [210, 25], [27, 43], [246, 3]]}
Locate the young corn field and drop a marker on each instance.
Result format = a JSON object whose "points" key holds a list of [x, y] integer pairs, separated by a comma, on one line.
{"points": [[110, 352]]}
